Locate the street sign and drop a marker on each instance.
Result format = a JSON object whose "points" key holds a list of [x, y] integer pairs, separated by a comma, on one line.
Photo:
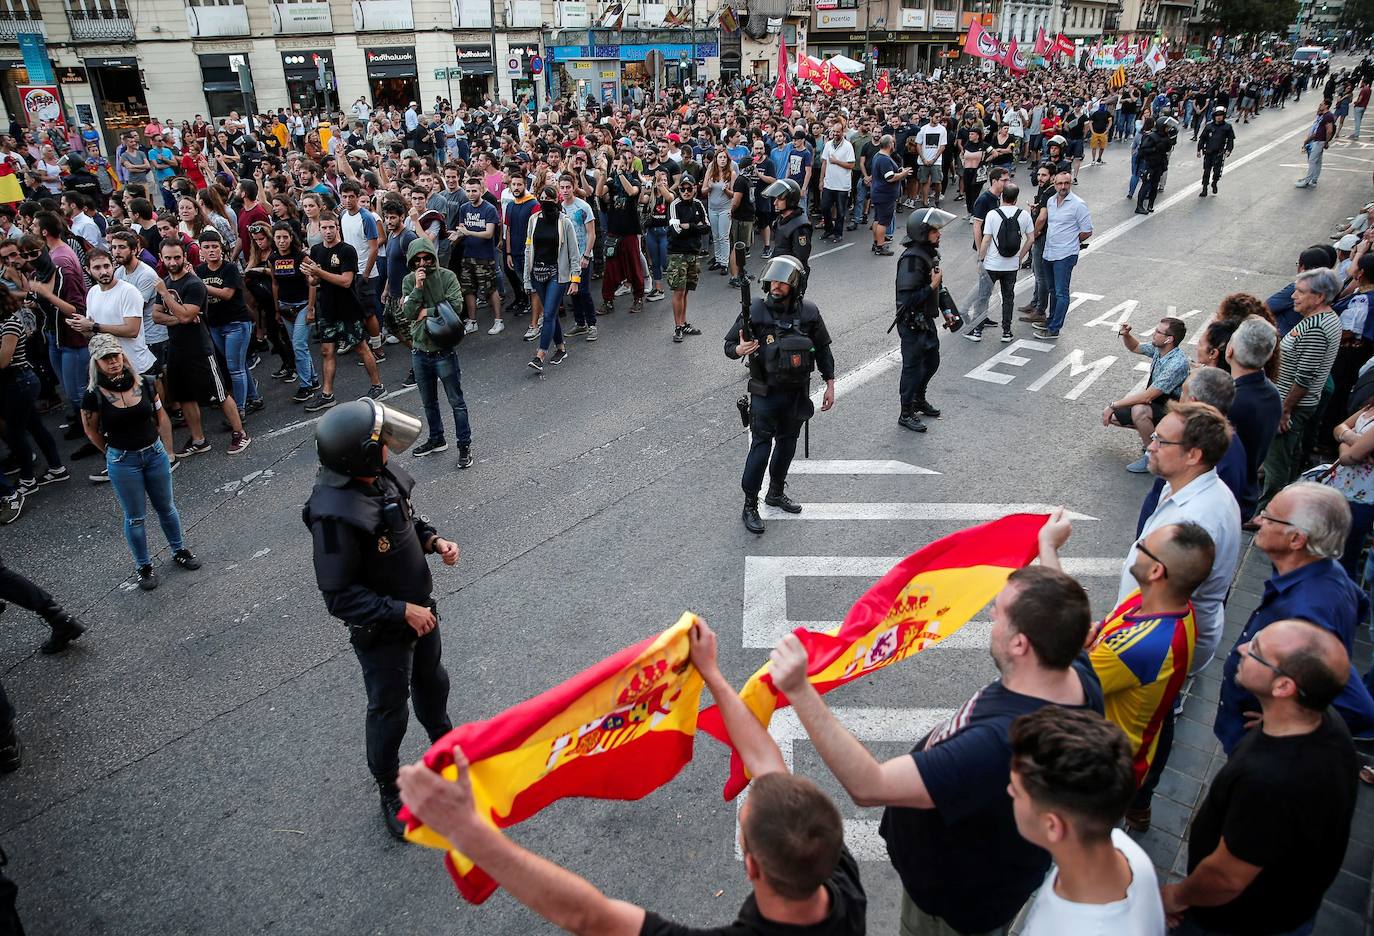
{"points": [[513, 65], [536, 65], [440, 74], [456, 71]]}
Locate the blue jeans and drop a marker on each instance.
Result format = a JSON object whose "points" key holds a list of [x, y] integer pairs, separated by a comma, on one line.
{"points": [[233, 340], [656, 243], [443, 367], [72, 368], [720, 233], [860, 200], [294, 315], [550, 292], [1135, 174], [1060, 271], [17, 404], [138, 477]]}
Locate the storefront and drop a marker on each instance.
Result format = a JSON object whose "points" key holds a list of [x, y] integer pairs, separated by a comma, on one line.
{"points": [[392, 77], [12, 75], [223, 91], [604, 71], [310, 78], [474, 58], [120, 102]]}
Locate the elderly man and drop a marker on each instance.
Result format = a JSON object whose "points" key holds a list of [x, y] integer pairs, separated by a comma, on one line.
{"points": [[1143, 409], [1184, 451], [1303, 532], [1306, 354], [1258, 406], [1270, 836]]}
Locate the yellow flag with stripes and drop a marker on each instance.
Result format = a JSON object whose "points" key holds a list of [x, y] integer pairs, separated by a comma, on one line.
{"points": [[1118, 79]]}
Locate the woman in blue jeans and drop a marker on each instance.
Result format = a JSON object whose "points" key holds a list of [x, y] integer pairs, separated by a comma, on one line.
{"points": [[231, 324], [291, 293], [552, 267], [122, 415], [656, 233], [19, 388]]}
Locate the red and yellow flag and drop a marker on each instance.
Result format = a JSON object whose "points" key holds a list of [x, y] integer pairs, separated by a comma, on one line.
{"points": [[921, 601], [618, 730]]}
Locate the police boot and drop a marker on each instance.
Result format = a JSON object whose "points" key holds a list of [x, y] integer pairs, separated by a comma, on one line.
{"points": [[752, 521], [65, 629], [391, 805], [910, 420], [776, 498], [922, 407]]}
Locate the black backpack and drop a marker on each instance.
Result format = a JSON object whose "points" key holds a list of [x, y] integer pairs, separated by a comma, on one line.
{"points": [[1008, 239]]}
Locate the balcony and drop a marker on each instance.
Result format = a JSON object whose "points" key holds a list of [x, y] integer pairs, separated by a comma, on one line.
{"points": [[1112, 21], [472, 14], [205, 22], [100, 24], [11, 28], [528, 14]]}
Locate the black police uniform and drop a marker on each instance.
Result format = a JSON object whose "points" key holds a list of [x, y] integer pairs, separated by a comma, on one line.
{"points": [[792, 340], [792, 238], [918, 309], [1215, 144], [369, 563]]}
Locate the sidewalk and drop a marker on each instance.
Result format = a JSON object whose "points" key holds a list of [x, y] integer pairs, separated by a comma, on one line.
{"points": [[1196, 758]]}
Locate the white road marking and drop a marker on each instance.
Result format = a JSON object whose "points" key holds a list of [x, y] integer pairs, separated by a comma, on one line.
{"points": [[1324, 168], [826, 253], [847, 383], [847, 466], [910, 511], [292, 427]]}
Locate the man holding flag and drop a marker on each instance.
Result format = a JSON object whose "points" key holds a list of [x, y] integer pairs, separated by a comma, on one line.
{"points": [[791, 835], [948, 822]]}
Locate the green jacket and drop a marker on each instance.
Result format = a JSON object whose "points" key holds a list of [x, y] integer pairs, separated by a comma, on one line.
{"points": [[441, 285]]}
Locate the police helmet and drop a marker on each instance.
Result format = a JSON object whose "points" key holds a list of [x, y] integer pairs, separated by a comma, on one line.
{"points": [[1169, 126], [349, 439], [784, 269], [786, 189], [921, 222], [1058, 141]]}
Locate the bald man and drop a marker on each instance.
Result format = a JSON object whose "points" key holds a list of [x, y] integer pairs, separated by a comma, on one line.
{"points": [[1269, 838]]}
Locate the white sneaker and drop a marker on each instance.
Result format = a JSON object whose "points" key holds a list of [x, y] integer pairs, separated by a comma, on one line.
{"points": [[374, 343], [622, 289], [497, 328], [392, 339], [531, 333], [655, 295], [469, 327]]}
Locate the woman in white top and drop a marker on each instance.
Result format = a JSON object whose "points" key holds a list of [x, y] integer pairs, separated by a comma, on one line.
{"points": [[719, 184]]}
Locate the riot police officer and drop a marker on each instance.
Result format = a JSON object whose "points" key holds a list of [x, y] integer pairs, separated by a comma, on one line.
{"points": [[787, 340], [920, 284], [1217, 140], [370, 549], [791, 227]]}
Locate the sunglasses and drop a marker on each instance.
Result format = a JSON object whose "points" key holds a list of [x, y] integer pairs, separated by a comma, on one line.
{"points": [[1140, 545]]}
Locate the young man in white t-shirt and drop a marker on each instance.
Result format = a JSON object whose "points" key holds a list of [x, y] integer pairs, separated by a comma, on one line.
{"points": [[1002, 269], [1071, 781], [837, 161]]}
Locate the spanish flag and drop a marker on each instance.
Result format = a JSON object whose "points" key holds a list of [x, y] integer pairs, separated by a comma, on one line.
{"points": [[728, 20], [10, 191], [921, 601], [618, 730]]}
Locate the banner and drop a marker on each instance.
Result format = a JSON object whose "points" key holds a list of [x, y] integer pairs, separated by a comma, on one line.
{"points": [[1015, 59], [40, 102], [983, 44], [784, 91], [921, 601], [618, 730], [1042, 43], [1154, 60]]}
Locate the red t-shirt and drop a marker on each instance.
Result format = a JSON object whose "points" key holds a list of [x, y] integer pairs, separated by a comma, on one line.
{"points": [[192, 170], [248, 217]]}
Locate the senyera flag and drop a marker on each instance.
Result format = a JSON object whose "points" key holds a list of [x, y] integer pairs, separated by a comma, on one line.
{"points": [[921, 601], [983, 44], [618, 730]]}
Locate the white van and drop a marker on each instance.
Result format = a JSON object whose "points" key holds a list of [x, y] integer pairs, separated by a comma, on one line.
{"points": [[1310, 55]]}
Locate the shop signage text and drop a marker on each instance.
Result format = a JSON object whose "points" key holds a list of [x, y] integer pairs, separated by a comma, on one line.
{"points": [[632, 53]]}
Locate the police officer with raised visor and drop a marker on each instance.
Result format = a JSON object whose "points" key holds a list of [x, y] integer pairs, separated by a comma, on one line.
{"points": [[370, 549], [919, 286], [791, 227], [788, 340]]}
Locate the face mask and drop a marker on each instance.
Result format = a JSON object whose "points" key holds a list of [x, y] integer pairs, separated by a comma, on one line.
{"points": [[119, 384], [548, 205]]}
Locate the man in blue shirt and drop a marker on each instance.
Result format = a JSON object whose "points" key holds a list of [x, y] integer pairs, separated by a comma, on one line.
{"points": [[1303, 532], [1143, 409], [164, 160], [733, 146]]}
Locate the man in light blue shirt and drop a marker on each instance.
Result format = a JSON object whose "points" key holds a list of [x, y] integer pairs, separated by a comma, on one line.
{"points": [[1067, 226], [164, 160]]}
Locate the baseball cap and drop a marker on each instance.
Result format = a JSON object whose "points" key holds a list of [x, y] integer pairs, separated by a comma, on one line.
{"points": [[1347, 243]]}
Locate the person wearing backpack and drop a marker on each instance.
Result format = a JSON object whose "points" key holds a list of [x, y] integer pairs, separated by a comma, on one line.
{"points": [[1006, 241], [424, 289]]}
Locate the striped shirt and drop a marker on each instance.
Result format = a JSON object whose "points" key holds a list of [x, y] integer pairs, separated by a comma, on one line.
{"points": [[14, 325], [1306, 354]]}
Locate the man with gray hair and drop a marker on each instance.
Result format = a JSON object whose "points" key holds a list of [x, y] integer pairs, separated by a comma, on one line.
{"points": [[1258, 406], [1306, 354], [1302, 531]]}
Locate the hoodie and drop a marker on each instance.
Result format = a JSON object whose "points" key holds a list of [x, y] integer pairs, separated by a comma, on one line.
{"points": [[441, 285]]}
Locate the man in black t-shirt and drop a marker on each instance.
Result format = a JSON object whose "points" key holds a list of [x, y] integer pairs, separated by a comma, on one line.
{"points": [[948, 823], [791, 834], [331, 267], [193, 375], [1271, 835], [620, 186], [742, 215], [228, 319]]}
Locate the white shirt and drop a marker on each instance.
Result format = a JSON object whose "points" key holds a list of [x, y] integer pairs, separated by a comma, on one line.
{"points": [[931, 139], [358, 230], [1140, 914], [1355, 313], [112, 307], [1209, 503], [144, 279], [1016, 123], [1065, 222], [992, 224], [837, 178]]}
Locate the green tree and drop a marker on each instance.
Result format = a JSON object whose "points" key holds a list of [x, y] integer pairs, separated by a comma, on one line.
{"points": [[1358, 15]]}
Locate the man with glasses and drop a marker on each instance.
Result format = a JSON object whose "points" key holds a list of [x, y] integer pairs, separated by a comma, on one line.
{"points": [[1303, 532], [1271, 834], [1142, 409], [1184, 451], [1067, 224]]}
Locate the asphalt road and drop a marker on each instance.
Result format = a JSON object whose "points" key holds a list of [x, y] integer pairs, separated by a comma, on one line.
{"points": [[195, 763]]}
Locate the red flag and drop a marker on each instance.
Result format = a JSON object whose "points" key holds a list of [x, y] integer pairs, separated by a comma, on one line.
{"points": [[1042, 42], [983, 44], [883, 83], [921, 601], [784, 91], [1015, 59], [618, 730], [1063, 45], [808, 69], [838, 80], [1121, 49]]}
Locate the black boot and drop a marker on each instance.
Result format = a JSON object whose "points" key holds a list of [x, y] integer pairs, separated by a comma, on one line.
{"points": [[11, 751], [909, 419], [65, 629], [752, 521], [922, 406], [391, 805], [779, 499]]}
